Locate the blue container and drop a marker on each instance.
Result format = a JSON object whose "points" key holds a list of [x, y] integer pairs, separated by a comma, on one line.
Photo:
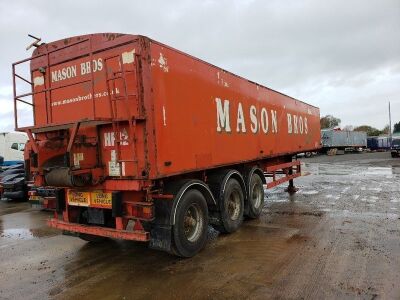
{"points": [[378, 143]]}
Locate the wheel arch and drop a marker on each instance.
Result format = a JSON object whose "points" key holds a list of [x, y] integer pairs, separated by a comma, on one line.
{"points": [[259, 172], [218, 181], [185, 186], [249, 172], [236, 175]]}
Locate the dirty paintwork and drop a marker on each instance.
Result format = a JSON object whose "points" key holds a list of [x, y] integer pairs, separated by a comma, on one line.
{"points": [[189, 115]]}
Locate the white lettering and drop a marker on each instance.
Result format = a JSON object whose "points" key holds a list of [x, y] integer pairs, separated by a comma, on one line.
{"points": [[259, 119], [295, 130], [253, 117], [83, 69], [274, 121], [99, 64], [87, 67], [64, 73], [94, 66], [223, 115], [54, 76], [109, 139], [240, 119], [124, 137], [289, 123], [264, 120], [301, 127]]}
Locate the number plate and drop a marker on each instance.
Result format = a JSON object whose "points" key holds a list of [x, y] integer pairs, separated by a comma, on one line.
{"points": [[100, 199], [36, 199], [92, 199], [78, 198]]}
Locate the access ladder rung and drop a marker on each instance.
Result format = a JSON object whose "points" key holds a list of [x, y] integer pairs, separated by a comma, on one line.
{"points": [[127, 160], [122, 97]]}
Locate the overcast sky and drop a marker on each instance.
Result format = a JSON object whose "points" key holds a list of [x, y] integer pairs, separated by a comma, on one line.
{"points": [[342, 56]]}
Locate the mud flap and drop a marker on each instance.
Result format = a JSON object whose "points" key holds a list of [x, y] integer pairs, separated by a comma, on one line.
{"points": [[160, 237], [60, 200], [161, 229]]}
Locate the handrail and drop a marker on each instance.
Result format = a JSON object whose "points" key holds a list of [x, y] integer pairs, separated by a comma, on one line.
{"points": [[48, 88]]}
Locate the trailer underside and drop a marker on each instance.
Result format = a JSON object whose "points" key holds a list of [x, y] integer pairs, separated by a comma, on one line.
{"points": [[153, 221]]}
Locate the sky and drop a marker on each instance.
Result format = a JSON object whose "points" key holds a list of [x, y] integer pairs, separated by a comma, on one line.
{"points": [[342, 56]]}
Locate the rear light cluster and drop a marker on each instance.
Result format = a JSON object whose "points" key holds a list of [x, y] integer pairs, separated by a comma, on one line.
{"points": [[32, 193], [145, 212]]}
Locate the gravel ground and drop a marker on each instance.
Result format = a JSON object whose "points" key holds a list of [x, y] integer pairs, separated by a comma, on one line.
{"points": [[338, 237]]}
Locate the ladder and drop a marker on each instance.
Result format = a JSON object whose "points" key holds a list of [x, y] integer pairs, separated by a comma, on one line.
{"points": [[116, 116]]}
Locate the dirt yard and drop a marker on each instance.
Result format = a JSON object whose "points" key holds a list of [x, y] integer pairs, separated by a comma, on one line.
{"points": [[338, 237]]}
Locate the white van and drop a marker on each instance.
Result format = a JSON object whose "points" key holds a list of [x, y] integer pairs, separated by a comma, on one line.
{"points": [[12, 145]]}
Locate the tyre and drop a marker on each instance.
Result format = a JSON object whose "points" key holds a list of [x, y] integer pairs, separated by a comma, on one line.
{"points": [[231, 207], [394, 154], [191, 223], [256, 196]]}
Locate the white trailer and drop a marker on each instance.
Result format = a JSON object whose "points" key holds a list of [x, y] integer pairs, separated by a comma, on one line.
{"points": [[12, 145]]}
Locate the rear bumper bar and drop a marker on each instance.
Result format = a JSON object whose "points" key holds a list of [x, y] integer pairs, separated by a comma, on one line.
{"points": [[134, 235]]}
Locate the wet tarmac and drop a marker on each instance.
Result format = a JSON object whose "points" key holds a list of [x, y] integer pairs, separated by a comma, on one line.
{"points": [[338, 237]]}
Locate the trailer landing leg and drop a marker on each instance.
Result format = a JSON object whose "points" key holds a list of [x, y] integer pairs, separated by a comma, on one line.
{"points": [[291, 189], [287, 171]]}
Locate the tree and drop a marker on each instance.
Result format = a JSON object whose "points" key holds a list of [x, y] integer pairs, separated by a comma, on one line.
{"points": [[386, 129], [371, 131], [329, 121], [396, 127]]}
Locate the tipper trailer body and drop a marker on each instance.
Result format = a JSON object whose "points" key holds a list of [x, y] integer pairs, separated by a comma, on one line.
{"points": [[133, 139], [342, 139]]}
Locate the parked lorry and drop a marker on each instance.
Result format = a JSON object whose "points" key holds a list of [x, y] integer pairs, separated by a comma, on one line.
{"points": [[378, 143], [13, 182], [12, 146], [342, 139], [395, 147], [135, 140]]}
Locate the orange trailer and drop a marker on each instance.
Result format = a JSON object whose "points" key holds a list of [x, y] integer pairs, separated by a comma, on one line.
{"points": [[133, 139]]}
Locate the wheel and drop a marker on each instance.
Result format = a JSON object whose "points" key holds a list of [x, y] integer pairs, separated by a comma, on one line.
{"points": [[394, 154], [191, 222], [308, 154], [256, 197], [231, 207]]}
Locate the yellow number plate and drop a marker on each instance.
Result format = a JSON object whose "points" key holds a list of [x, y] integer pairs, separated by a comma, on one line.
{"points": [[93, 199], [35, 198], [78, 198], [100, 199]]}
